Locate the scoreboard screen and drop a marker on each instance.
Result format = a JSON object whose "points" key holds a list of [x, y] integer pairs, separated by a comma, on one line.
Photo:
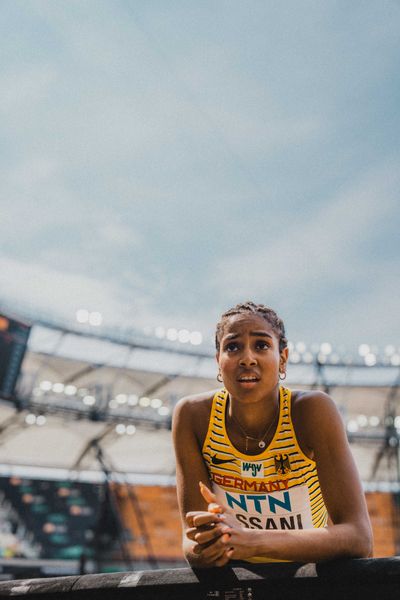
{"points": [[13, 341]]}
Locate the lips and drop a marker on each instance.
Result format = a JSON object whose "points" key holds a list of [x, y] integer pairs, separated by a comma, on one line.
{"points": [[248, 378]]}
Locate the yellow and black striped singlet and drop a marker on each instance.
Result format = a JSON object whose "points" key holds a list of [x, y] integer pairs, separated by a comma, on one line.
{"points": [[276, 489]]}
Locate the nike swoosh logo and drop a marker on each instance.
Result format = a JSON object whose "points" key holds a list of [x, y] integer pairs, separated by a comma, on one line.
{"points": [[220, 461]]}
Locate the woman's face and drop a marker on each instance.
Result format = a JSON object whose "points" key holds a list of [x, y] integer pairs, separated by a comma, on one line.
{"points": [[249, 357]]}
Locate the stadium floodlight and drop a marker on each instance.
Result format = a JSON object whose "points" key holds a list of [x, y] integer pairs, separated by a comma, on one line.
{"points": [[352, 426], [156, 403], [326, 348], [196, 338], [362, 420], [58, 388], [301, 347], [370, 359], [159, 332], [395, 360], [133, 399], [363, 349], [45, 385], [82, 315], [95, 318], [184, 336], [70, 390], [30, 419], [172, 334], [89, 400], [389, 350]]}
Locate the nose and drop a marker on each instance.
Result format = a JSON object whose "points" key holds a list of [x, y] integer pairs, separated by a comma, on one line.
{"points": [[247, 358]]}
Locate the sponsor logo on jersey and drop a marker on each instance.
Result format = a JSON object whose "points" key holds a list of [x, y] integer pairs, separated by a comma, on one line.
{"points": [[252, 469], [261, 503], [282, 464], [221, 461]]}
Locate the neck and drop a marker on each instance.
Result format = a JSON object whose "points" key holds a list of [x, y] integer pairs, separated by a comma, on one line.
{"points": [[254, 417]]}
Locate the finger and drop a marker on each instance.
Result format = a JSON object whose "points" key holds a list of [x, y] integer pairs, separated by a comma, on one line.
{"points": [[221, 562], [203, 537], [206, 519], [207, 493]]}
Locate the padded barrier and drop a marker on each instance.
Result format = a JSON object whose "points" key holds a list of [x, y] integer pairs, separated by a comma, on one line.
{"points": [[356, 579]]}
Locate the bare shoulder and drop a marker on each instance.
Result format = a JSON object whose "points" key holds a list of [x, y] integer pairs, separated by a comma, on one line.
{"points": [[310, 403], [193, 413], [315, 418]]}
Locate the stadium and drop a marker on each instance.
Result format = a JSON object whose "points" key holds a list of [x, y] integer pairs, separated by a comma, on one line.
{"points": [[87, 465]]}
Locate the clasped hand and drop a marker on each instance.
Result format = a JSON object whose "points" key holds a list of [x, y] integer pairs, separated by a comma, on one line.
{"points": [[217, 536]]}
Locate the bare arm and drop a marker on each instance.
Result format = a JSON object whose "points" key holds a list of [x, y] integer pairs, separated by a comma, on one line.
{"points": [[349, 534], [190, 470]]}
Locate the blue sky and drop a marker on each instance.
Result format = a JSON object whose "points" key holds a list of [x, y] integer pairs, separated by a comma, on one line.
{"points": [[161, 161]]}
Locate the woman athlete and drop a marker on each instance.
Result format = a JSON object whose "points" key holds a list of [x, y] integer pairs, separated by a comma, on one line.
{"points": [[264, 473]]}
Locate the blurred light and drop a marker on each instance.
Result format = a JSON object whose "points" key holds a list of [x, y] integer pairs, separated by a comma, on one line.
{"points": [[58, 388], [352, 426], [40, 420], [321, 358], [30, 419], [290, 346], [121, 398], [89, 400], [308, 357], [144, 401], [294, 357], [183, 336], [130, 429], [95, 318], [163, 411], [172, 334], [395, 360], [334, 358], [82, 315], [363, 349], [83, 392], [370, 359], [389, 350], [326, 348], [374, 421], [113, 403], [46, 385], [37, 392], [120, 429], [156, 403], [160, 332], [70, 390], [133, 399], [362, 420], [397, 422], [196, 338], [300, 347]]}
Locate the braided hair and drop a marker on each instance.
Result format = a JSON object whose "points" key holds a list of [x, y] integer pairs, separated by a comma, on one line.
{"points": [[256, 309]]}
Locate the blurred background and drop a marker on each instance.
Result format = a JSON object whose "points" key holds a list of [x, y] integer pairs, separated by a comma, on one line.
{"points": [[161, 162]]}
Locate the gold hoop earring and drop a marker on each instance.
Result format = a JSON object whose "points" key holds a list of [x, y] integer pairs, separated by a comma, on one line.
{"points": [[283, 376], [219, 377]]}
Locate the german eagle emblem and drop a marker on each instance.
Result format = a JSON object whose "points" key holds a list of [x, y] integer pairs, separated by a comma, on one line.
{"points": [[282, 463]]}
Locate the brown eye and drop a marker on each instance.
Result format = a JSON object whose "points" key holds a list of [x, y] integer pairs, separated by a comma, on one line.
{"points": [[231, 347]]}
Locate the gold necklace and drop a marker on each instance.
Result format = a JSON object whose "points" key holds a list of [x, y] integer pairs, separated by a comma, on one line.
{"points": [[261, 443]]}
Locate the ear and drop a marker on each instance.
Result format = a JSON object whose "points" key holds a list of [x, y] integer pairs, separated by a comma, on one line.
{"points": [[284, 355]]}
